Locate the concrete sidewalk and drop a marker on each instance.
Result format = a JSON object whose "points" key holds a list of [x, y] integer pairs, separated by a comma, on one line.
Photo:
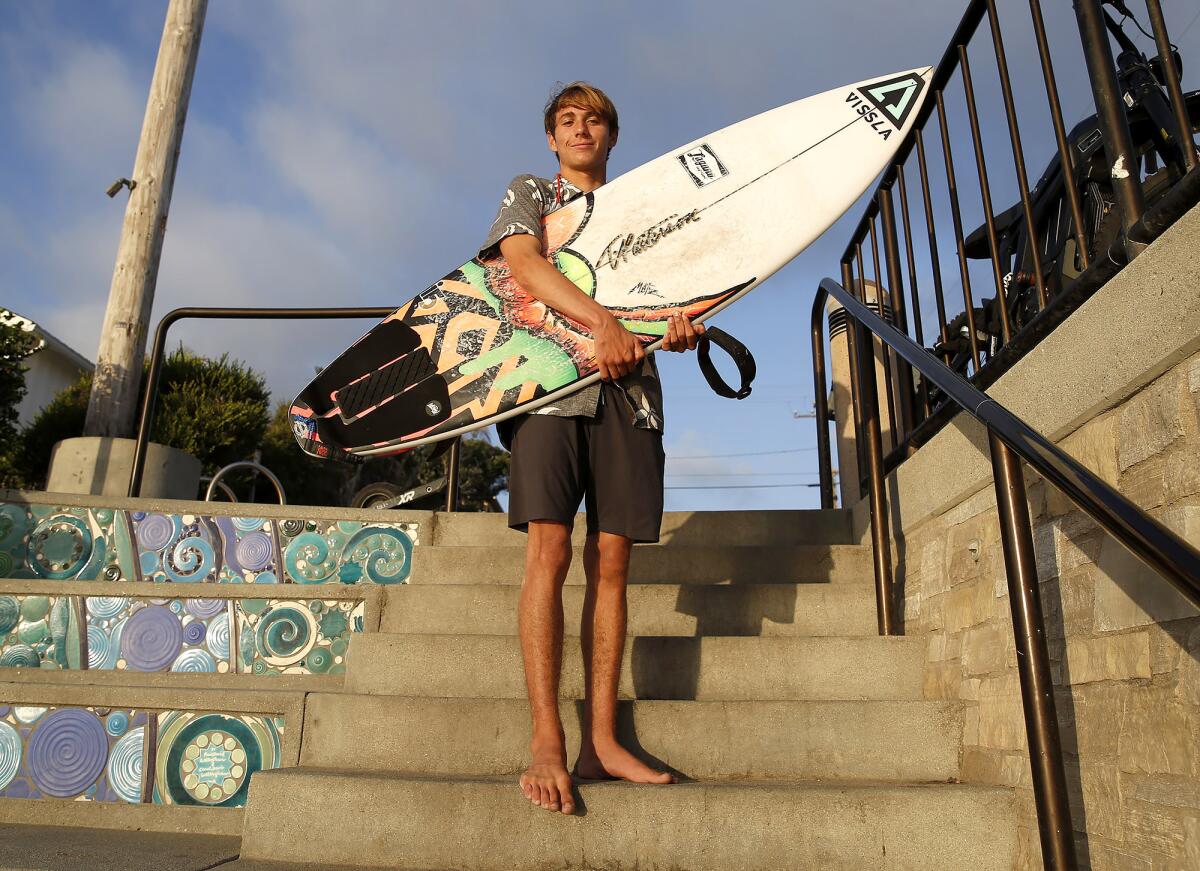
{"points": [[51, 848]]}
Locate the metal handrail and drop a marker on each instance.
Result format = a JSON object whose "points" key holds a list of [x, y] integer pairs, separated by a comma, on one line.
{"points": [[216, 482], [912, 416], [158, 352], [1010, 440], [1152, 542]]}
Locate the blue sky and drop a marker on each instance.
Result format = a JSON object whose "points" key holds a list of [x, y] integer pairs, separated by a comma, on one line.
{"points": [[349, 153]]}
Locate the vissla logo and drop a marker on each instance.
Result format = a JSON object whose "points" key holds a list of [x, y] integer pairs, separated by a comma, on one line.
{"points": [[890, 101], [702, 165]]}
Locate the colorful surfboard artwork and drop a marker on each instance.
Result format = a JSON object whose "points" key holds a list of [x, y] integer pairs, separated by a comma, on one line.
{"points": [[690, 232]]}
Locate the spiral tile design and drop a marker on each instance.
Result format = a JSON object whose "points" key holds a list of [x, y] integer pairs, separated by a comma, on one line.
{"points": [[255, 550], [155, 531], [192, 559], [10, 754], [106, 607], [10, 614], [292, 527], [125, 766], [285, 635], [104, 648], [205, 607], [151, 639], [20, 656], [319, 660], [195, 660], [307, 558], [116, 723], [193, 633], [67, 752], [248, 524], [386, 554], [216, 638]]}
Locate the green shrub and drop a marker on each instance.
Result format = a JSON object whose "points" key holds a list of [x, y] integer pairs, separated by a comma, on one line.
{"points": [[216, 410]]}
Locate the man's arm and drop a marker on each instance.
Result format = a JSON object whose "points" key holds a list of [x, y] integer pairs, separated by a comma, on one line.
{"points": [[618, 351]]}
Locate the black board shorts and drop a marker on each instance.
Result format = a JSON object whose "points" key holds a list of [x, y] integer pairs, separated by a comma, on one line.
{"points": [[615, 468]]}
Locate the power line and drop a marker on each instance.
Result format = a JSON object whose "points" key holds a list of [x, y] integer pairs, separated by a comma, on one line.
{"points": [[748, 454], [737, 474], [736, 486]]}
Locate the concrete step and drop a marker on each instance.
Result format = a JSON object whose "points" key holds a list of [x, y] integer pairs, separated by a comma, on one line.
{"points": [[485, 666], [656, 564], [698, 740], [53, 847], [485, 824], [654, 609], [700, 528]]}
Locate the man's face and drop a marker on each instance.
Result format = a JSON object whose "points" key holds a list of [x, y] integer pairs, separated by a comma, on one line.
{"points": [[581, 139]]}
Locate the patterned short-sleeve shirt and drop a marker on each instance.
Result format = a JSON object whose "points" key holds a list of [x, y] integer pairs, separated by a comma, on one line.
{"points": [[528, 199]]}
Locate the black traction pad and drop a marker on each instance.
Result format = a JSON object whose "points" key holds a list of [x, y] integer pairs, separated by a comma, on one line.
{"points": [[387, 341], [384, 383], [418, 408]]}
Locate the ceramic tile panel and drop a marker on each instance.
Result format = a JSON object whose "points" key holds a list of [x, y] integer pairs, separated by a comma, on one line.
{"points": [[273, 636], [65, 542], [40, 632], [98, 754]]}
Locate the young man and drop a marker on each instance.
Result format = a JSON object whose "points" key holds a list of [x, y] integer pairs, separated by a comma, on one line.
{"points": [[602, 444]]}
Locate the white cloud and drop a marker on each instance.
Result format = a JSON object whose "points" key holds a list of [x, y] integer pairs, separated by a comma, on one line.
{"points": [[84, 108]]}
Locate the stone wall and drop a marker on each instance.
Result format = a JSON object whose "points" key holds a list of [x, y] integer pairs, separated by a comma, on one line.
{"points": [[1125, 646]]}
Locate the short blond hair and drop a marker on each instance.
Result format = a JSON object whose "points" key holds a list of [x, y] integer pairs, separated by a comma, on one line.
{"points": [[584, 96]]}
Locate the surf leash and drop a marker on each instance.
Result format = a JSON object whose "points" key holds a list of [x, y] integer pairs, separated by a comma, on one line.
{"points": [[741, 356]]}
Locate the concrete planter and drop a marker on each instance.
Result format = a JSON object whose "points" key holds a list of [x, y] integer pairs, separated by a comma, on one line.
{"points": [[100, 466]]}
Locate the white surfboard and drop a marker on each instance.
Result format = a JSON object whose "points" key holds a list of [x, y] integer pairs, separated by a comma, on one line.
{"points": [[692, 231]]}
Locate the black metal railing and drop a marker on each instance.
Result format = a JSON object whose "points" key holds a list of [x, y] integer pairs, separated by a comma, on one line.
{"points": [[1030, 297], [1010, 440], [158, 351]]}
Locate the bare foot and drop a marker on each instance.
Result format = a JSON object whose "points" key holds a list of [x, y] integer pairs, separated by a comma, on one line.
{"points": [[547, 784], [613, 762]]}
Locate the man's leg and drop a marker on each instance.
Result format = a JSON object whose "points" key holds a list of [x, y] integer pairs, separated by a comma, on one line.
{"points": [[540, 621], [602, 634], [545, 486]]}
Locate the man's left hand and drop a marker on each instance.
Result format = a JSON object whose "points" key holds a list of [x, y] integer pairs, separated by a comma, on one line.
{"points": [[681, 335]]}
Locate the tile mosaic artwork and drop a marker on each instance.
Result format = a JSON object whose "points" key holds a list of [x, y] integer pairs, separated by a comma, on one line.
{"points": [[98, 754], [68, 543], [273, 636]]}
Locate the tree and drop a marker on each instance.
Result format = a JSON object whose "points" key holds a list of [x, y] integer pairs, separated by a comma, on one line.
{"points": [[216, 410], [18, 340]]}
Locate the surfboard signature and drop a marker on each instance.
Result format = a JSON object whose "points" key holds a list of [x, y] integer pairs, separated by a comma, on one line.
{"points": [[627, 245]]}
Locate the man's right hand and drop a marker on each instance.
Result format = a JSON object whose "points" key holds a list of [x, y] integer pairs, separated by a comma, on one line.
{"points": [[618, 351]]}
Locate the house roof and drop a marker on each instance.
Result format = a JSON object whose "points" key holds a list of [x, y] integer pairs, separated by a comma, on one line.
{"points": [[49, 340]]}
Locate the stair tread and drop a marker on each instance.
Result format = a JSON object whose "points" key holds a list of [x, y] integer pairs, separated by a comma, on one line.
{"points": [[672, 667], [791, 609], [702, 739], [698, 564], [484, 823]]}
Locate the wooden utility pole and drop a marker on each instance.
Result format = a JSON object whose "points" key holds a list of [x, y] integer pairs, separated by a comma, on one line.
{"points": [[113, 403]]}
